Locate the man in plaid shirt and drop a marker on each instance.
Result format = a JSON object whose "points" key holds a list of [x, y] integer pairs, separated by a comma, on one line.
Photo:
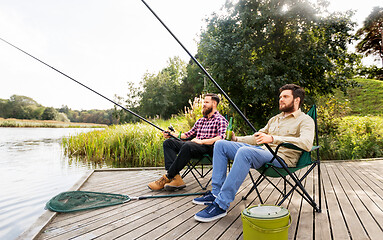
{"points": [[205, 132]]}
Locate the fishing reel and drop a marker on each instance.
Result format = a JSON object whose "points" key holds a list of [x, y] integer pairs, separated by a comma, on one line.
{"points": [[171, 128]]}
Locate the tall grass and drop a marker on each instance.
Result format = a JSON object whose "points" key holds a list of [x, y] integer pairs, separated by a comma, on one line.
{"points": [[124, 145], [129, 145]]}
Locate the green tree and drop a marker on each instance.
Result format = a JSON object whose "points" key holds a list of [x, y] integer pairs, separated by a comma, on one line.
{"points": [[23, 107], [258, 46], [3, 107], [49, 114], [372, 34], [161, 93]]}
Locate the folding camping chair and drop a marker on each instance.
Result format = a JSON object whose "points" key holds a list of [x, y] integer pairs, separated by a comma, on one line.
{"points": [[206, 159], [270, 171]]}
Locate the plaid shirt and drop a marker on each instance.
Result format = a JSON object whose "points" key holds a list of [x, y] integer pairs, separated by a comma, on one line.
{"points": [[206, 128]]}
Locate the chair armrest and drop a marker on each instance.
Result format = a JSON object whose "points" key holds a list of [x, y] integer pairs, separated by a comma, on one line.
{"points": [[292, 146]]}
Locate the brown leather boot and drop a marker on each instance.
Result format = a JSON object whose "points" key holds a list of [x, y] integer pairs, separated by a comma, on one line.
{"points": [[176, 184], [159, 184]]}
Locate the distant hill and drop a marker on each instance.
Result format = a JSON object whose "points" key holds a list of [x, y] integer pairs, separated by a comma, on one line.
{"points": [[366, 99]]}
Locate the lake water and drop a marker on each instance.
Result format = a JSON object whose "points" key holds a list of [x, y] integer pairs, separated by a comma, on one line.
{"points": [[33, 169]]}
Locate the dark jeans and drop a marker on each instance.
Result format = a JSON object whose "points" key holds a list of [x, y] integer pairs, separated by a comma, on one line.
{"points": [[178, 153]]}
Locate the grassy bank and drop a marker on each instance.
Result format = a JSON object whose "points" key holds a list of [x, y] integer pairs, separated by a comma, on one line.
{"points": [[128, 145], [11, 122], [367, 99]]}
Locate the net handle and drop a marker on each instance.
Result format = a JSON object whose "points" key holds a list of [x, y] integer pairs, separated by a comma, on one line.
{"points": [[166, 196]]}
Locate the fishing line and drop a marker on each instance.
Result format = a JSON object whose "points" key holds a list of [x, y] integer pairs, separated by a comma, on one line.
{"points": [[55, 69], [203, 69]]}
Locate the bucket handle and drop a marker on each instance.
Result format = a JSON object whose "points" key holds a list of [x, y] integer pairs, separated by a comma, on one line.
{"points": [[265, 230]]}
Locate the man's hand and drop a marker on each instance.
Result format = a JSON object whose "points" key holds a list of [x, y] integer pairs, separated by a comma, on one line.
{"points": [[233, 137], [261, 138], [166, 134], [197, 141]]}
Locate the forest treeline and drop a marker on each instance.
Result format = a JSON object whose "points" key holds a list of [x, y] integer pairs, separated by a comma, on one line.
{"points": [[22, 107]]}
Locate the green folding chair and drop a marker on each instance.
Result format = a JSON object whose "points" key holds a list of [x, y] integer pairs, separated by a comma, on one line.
{"points": [[196, 167], [288, 175]]}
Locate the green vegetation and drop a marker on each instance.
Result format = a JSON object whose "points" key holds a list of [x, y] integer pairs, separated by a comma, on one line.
{"points": [[356, 138], [128, 145]]}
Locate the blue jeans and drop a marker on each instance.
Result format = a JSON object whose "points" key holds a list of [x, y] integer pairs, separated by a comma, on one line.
{"points": [[245, 156]]}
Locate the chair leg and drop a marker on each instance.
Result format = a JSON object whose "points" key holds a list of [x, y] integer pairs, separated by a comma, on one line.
{"points": [[254, 187], [196, 178], [319, 188]]}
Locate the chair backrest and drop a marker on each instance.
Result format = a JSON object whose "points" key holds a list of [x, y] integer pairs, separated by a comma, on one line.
{"points": [[305, 158]]}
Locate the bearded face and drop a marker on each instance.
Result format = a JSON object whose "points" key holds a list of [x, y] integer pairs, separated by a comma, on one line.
{"points": [[287, 107], [286, 101], [206, 110], [207, 106]]}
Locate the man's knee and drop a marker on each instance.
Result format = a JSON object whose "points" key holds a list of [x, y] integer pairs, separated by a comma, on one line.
{"points": [[219, 145], [168, 143], [252, 156], [243, 153]]}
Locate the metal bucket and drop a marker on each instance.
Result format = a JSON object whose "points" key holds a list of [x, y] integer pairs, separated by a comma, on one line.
{"points": [[265, 222]]}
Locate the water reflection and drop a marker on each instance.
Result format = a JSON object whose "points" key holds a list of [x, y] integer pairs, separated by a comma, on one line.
{"points": [[33, 169]]}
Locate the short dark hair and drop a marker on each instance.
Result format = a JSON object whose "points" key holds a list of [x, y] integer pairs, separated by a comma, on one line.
{"points": [[297, 92], [213, 96]]}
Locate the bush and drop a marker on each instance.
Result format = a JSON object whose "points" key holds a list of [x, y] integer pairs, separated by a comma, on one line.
{"points": [[357, 138]]}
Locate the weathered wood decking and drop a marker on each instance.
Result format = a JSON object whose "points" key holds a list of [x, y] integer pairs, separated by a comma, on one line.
{"points": [[352, 208]]}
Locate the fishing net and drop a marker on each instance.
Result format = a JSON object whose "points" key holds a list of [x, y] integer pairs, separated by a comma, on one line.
{"points": [[83, 200]]}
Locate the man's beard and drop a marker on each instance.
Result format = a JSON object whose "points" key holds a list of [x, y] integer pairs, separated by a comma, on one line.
{"points": [[206, 111], [287, 108]]}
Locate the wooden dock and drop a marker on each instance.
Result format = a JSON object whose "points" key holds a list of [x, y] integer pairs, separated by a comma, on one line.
{"points": [[352, 208]]}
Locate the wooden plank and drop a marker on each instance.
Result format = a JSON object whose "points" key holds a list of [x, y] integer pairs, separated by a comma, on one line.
{"points": [[370, 181], [305, 229], [354, 225], [293, 204], [367, 211], [338, 225], [322, 220]]}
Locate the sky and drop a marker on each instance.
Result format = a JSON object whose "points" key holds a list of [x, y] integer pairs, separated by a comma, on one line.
{"points": [[102, 44]]}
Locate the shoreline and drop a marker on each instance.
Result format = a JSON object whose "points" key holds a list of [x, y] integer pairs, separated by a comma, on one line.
{"points": [[26, 123]]}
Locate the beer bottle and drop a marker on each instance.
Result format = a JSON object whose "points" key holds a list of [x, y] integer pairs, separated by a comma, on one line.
{"points": [[229, 130]]}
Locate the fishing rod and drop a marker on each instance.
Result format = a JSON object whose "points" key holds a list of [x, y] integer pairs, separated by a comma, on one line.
{"points": [[203, 69], [55, 69]]}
